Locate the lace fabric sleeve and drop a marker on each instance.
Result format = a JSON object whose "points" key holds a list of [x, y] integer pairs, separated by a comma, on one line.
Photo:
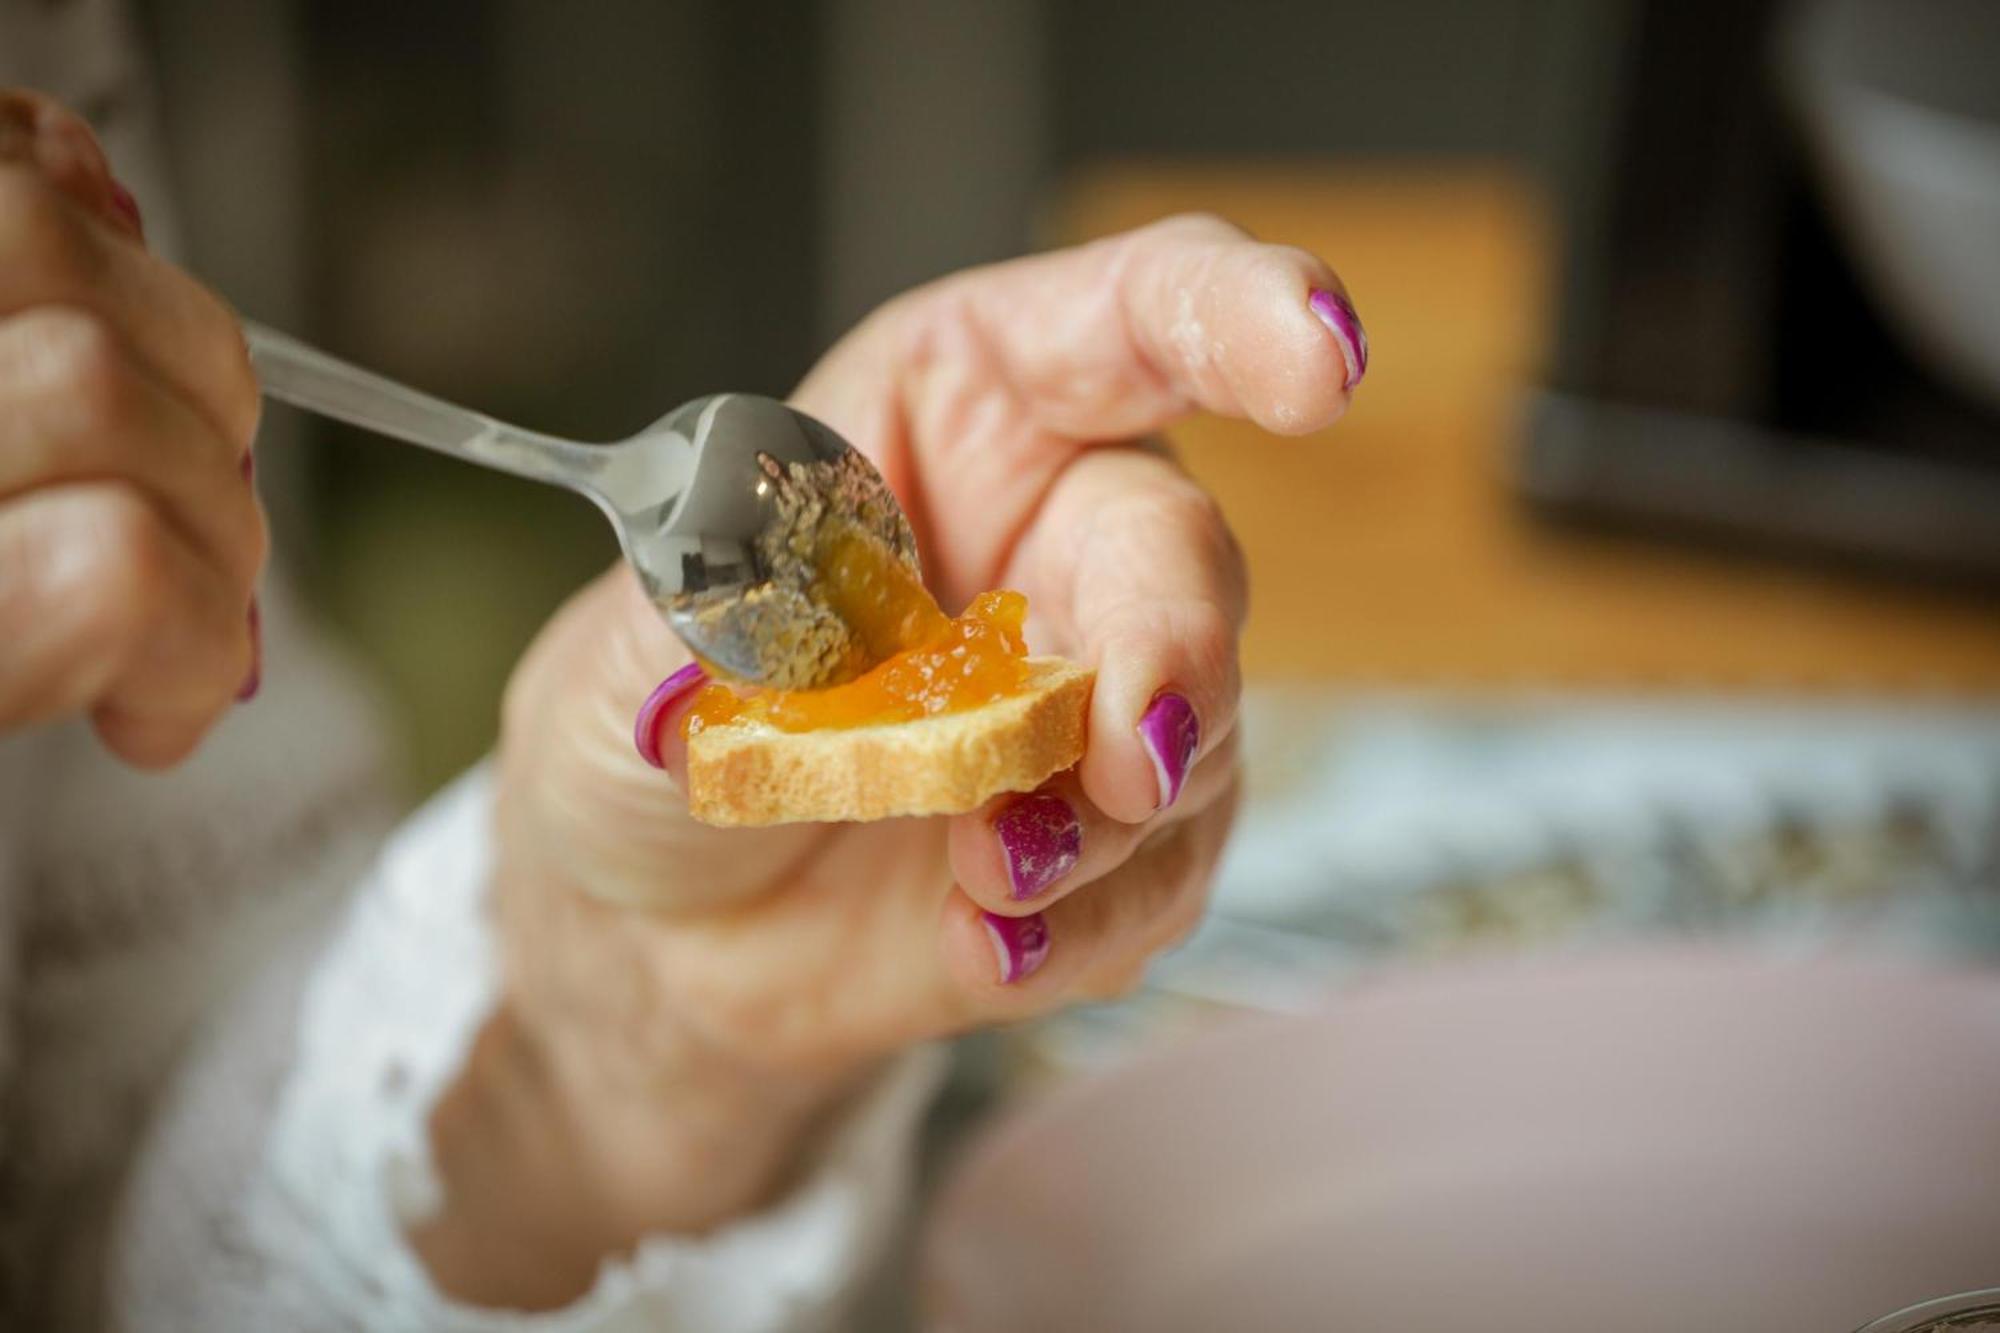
{"points": [[279, 1179]]}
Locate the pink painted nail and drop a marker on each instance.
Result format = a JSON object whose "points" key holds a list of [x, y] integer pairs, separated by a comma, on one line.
{"points": [[127, 209], [1171, 733], [255, 680], [248, 466], [646, 730], [1020, 944], [1041, 838], [1337, 313]]}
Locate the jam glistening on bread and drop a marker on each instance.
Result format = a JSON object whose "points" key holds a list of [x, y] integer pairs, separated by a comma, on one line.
{"points": [[953, 713]]}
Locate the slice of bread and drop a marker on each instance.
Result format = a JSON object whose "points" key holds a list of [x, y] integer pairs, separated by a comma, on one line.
{"points": [[945, 765]]}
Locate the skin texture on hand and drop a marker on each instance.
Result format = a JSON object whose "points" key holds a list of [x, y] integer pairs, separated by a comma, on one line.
{"points": [[130, 536], [664, 974]]}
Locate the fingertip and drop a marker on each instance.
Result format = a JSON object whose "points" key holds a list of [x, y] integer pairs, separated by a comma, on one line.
{"points": [[656, 731], [1020, 850], [1118, 776], [1143, 765], [1306, 349], [992, 958], [1165, 695], [1021, 944], [1331, 306], [150, 743], [978, 866], [1170, 733]]}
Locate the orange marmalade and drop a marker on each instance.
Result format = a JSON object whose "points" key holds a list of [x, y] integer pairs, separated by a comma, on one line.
{"points": [[926, 663]]}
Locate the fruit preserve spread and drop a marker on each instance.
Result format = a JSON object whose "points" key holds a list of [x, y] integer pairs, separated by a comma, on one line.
{"points": [[926, 663]]}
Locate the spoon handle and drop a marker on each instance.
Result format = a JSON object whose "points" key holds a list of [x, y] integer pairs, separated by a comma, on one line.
{"points": [[305, 377]]}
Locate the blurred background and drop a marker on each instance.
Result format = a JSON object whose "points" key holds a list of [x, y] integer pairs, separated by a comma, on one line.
{"points": [[1651, 588], [1685, 376]]}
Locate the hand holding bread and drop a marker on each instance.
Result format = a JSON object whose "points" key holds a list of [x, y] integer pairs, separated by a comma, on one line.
{"points": [[1007, 407], [1001, 405]]}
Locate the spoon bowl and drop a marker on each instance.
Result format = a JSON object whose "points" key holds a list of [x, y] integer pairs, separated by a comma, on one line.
{"points": [[720, 506]]}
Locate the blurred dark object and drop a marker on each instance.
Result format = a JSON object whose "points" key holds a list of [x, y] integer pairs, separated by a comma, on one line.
{"points": [[1716, 288], [1900, 103], [1725, 480]]}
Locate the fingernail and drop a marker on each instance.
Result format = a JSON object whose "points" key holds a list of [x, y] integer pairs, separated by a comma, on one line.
{"points": [[1171, 732], [1337, 313], [252, 682], [1041, 837], [1020, 944], [127, 209], [248, 466], [646, 731]]}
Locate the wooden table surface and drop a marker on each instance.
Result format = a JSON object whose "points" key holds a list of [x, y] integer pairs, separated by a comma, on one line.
{"points": [[1389, 550]]}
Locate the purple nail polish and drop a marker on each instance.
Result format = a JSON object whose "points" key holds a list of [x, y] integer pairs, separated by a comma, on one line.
{"points": [[1171, 733], [1041, 838], [255, 680], [1337, 313], [646, 730], [127, 209], [1020, 944]]}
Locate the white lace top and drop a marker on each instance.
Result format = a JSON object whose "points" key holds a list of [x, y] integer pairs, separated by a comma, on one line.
{"points": [[280, 1177], [218, 1053], [259, 1174]]}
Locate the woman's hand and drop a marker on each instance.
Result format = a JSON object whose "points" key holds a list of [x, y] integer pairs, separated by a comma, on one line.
{"points": [[682, 1000], [130, 538]]}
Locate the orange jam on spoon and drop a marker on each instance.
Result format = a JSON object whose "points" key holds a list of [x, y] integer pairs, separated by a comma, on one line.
{"points": [[926, 662]]}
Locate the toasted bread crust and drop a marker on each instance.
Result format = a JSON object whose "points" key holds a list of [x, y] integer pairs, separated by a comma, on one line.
{"points": [[749, 775]]}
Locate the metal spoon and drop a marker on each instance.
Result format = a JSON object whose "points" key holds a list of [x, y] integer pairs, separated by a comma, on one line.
{"points": [[719, 505]]}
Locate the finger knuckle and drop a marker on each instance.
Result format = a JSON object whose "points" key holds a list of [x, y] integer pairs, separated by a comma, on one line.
{"points": [[42, 234], [764, 1025], [114, 574], [1290, 259], [83, 360], [1126, 527], [130, 546], [1206, 634], [1199, 225], [1177, 507]]}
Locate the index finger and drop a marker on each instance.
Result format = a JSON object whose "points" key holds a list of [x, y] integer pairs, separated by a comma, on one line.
{"points": [[1127, 335], [58, 246]]}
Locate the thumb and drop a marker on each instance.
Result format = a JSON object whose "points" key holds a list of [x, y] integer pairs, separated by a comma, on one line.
{"points": [[592, 768]]}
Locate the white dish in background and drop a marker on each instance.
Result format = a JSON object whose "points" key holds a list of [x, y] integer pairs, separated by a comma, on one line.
{"points": [[1901, 102], [1654, 1141]]}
